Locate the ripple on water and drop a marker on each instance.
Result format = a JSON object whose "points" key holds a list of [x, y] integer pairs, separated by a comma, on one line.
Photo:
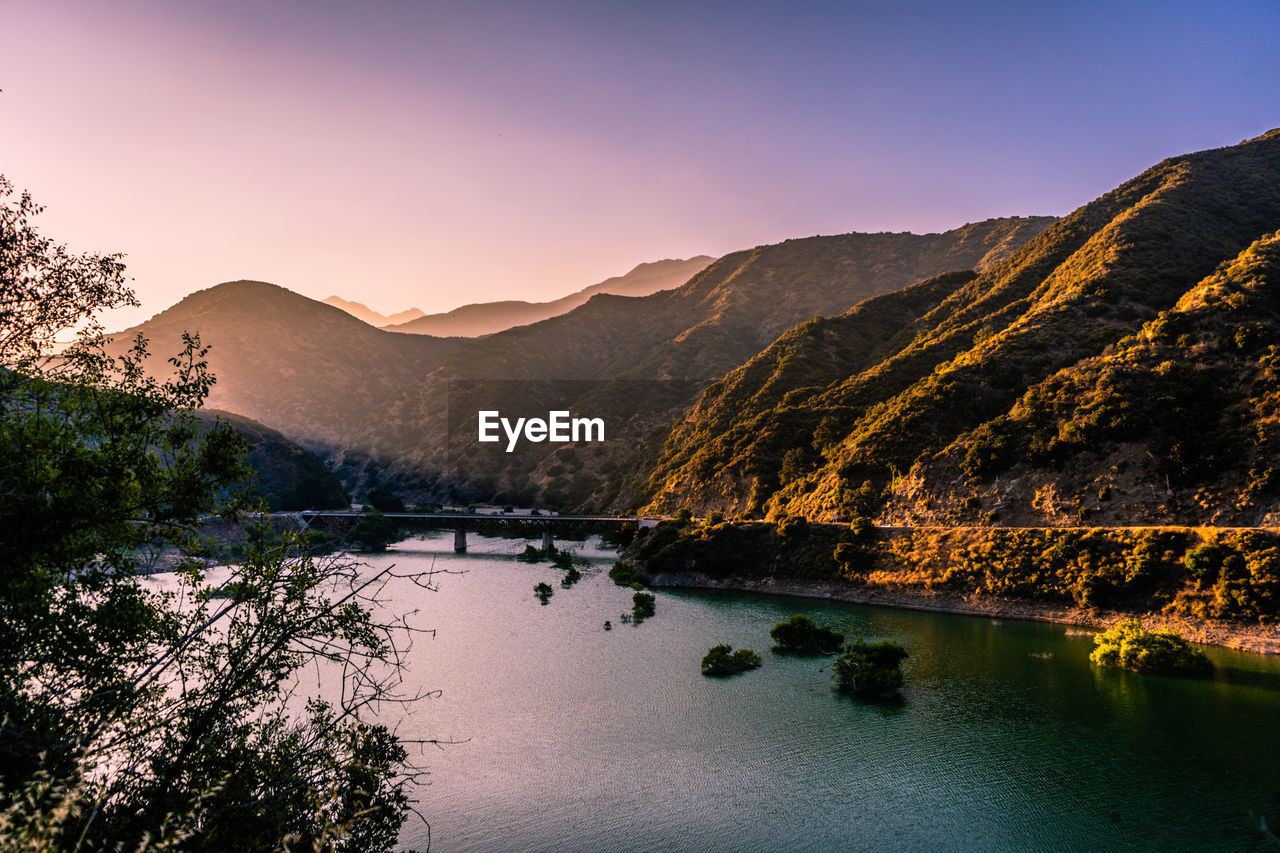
{"points": [[1008, 739]]}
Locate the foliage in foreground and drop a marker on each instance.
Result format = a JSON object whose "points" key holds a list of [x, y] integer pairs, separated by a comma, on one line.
{"points": [[145, 715], [1128, 645], [870, 669], [723, 660], [800, 635]]}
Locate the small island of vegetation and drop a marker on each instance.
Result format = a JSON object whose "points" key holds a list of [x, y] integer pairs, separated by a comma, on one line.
{"points": [[543, 591], [558, 558], [723, 660], [872, 670], [1128, 645], [643, 606], [799, 635]]}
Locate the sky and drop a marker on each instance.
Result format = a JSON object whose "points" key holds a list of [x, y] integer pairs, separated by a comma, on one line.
{"points": [[436, 154]]}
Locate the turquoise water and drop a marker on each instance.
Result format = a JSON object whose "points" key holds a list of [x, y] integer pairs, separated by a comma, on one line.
{"points": [[574, 738]]}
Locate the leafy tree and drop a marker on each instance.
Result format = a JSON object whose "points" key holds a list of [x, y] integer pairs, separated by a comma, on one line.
{"points": [[44, 288], [374, 531], [543, 591], [870, 669], [723, 660], [1130, 646], [142, 716], [642, 606], [800, 635]]}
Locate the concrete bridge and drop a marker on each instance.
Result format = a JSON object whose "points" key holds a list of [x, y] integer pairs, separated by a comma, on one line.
{"points": [[460, 522]]}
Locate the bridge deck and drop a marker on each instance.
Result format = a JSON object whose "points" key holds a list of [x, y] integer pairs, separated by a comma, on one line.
{"points": [[479, 516]]}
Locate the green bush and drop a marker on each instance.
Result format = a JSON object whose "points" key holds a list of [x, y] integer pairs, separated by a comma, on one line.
{"points": [[1204, 562], [1130, 646], [722, 660], [642, 606], [799, 635], [870, 669], [543, 591]]}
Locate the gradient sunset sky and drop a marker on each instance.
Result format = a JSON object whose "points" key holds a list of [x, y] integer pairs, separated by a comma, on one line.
{"points": [[430, 155]]}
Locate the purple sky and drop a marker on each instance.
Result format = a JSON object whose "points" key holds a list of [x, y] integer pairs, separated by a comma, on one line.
{"points": [[437, 154]]}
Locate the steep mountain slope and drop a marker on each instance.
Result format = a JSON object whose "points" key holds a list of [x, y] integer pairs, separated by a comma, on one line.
{"points": [[485, 318], [650, 356], [288, 477], [366, 314], [1178, 422], [855, 433], [305, 368]]}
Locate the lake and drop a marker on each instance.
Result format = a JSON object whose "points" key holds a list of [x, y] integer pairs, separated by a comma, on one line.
{"points": [[574, 738]]}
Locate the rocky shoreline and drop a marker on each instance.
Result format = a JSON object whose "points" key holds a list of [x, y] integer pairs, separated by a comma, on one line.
{"points": [[1232, 635]]}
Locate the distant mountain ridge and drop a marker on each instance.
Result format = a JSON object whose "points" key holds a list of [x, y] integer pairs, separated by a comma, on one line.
{"points": [[374, 403], [684, 338], [1121, 364], [487, 318], [363, 312]]}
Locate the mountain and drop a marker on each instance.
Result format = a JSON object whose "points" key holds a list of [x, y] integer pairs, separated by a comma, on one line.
{"points": [[485, 318], [303, 367], [1117, 367], [288, 477], [366, 314], [637, 362]]}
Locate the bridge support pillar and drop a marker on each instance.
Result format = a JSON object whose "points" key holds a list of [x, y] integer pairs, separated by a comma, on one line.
{"points": [[460, 540], [547, 543]]}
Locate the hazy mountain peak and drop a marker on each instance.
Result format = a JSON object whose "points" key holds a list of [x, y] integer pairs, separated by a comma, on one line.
{"points": [[487, 318], [286, 360], [373, 318]]}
